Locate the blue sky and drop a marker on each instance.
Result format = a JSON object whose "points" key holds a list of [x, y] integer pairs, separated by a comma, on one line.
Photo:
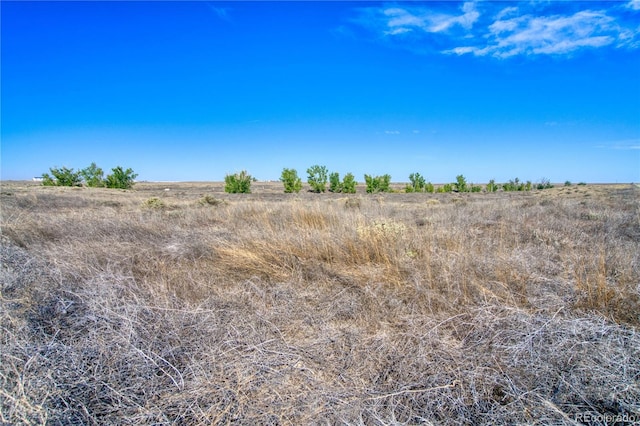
{"points": [[195, 90]]}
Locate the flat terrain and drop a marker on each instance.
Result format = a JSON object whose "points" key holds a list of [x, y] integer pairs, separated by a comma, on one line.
{"points": [[175, 303]]}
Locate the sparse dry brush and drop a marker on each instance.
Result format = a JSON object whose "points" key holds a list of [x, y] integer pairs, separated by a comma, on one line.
{"points": [[308, 309]]}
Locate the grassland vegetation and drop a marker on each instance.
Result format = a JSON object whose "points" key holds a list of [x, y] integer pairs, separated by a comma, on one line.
{"points": [[387, 308], [210, 200], [154, 203]]}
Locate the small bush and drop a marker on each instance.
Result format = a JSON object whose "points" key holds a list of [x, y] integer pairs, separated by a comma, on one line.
{"points": [[292, 183], [346, 186], [120, 178], [512, 185], [582, 183], [93, 176], [387, 229], [349, 184], [317, 178], [61, 177], [567, 183], [209, 200], [492, 186], [447, 187], [377, 183], [154, 203], [238, 183], [476, 188], [429, 188], [417, 184], [544, 184], [352, 203], [334, 182], [460, 184], [516, 185]]}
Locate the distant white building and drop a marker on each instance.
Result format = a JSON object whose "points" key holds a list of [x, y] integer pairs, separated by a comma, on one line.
{"points": [[38, 179]]}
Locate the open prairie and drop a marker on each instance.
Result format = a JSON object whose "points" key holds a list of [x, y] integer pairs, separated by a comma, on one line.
{"points": [[175, 303]]}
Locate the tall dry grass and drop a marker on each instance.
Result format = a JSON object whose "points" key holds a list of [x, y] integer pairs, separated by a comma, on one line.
{"points": [[308, 309]]}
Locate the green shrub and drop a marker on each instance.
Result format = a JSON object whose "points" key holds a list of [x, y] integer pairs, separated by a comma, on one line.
{"points": [[417, 183], [428, 187], [476, 188], [491, 186], [582, 183], [461, 184], [238, 183], [346, 186], [349, 184], [93, 176], [544, 184], [334, 182], [47, 180], [567, 183], [154, 203], [61, 177], [516, 185], [352, 203], [377, 183], [291, 181], [120, 178], [209, 200], [447, 187], [317, 178]]}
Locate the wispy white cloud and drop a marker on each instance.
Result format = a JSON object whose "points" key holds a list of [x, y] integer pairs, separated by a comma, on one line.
{"points": [[624, 145], [408, 19], [634, 4], [556, 34], [391, 132], [522, 28], [220, 12]]}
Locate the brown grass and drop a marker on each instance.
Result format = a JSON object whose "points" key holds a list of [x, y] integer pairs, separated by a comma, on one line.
{"points": [[306, 309]]}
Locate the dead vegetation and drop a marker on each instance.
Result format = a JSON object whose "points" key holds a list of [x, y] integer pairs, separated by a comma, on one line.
{"points": [[203, 308]]}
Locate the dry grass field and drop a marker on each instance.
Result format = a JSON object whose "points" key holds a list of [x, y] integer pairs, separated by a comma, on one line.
{"points": [[175, 303]]}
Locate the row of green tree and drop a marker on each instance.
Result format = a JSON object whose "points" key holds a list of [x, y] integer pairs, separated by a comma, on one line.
{"points": [[320, 180], [92, 176], [418, 184]]}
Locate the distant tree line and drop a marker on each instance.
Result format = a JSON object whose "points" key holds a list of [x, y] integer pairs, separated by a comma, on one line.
{"points": [[318, 178]]}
